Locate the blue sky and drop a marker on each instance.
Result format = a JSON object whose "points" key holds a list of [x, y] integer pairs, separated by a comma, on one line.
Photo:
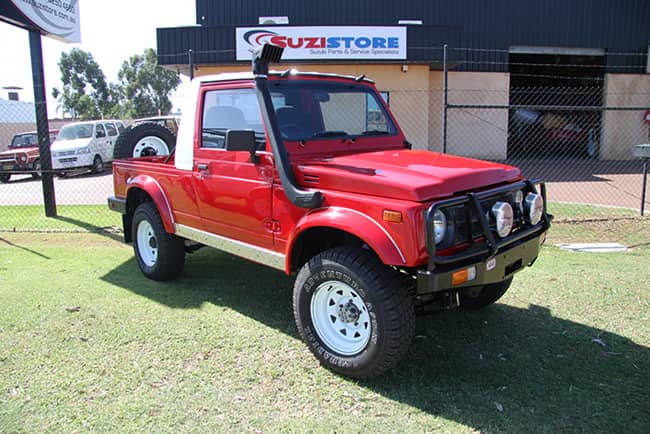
{"points": [[111, 31]]}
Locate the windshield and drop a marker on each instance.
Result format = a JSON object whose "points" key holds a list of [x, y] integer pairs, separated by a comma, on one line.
{"points": [[24, 140], [319, 110], [80, 131]]}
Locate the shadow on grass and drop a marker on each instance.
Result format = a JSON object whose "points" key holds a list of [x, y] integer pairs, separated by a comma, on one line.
{"points": [[90, 227], [500, 369], [24, 248]]}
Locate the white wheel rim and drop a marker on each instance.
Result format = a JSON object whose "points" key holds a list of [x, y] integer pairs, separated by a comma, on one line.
{"points": [[147, 243], [341, 318], [150, 143]]}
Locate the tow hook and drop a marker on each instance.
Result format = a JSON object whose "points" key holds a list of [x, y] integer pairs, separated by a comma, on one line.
{"points": [[451, 299]]}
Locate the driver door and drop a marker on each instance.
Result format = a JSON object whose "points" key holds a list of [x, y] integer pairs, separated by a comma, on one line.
{"points": [[234, 194]]}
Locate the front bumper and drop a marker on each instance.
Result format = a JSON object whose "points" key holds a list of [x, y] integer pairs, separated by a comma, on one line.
{"points": [[13, 166], [496, 268], [75, 161], [491, 260]]}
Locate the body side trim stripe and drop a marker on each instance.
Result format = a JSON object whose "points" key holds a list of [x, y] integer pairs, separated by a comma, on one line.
{"points": [[256, 254]]}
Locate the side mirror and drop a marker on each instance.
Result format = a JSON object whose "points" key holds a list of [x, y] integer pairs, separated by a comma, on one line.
{"points": [[100, 134], [242, 140]]}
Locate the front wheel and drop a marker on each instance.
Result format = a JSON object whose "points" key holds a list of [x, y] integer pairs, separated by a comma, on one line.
{"points": [[481, 296], [355, 314], [160, 255], [4, 177]]}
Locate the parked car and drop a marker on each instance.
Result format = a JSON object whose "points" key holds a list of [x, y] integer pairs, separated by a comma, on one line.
{"points": [[285, 170], [85, 145], [22, 155], [148, 137]]}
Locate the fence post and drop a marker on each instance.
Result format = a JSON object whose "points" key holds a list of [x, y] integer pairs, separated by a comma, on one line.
{"points": [[191, 60], [444, 98], [42, 126]]}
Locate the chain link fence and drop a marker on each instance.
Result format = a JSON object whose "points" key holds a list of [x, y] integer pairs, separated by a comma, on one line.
{"points": [[578, 133]]}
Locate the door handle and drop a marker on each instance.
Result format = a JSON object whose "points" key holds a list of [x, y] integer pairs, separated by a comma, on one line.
{"points": [[202, 166]]}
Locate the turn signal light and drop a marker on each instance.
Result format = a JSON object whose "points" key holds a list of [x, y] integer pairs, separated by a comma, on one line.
{"points": [[464, 275], [392, 216]]}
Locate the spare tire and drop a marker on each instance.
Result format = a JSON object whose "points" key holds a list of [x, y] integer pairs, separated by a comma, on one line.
{"points": [[144, 140]]}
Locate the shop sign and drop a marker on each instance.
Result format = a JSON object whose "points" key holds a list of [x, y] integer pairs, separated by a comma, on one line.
{"points": [[325, 43], [56, 18]]}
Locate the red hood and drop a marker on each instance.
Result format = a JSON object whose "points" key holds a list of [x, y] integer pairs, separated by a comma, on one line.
{"points": [[403, 174], [11, 153]]}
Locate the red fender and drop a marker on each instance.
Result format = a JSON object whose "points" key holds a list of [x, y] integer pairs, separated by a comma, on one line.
{"points": [[150, 186], [353, 222]]}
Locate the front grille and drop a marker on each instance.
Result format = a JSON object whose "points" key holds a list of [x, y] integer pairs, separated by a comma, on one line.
{"points": [[66, 153], [466, 216], [67, 160]]}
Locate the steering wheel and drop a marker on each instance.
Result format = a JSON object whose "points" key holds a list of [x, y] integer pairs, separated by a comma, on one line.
{"points": [[291, 129]]}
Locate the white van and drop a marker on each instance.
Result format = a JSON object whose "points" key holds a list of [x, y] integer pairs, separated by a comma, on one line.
{"points": [[85, 145]]}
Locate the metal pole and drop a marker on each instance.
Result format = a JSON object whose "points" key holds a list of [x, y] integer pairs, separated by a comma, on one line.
{"points": [[189, 55], [445, 98], [42, 126], [645, 181]]}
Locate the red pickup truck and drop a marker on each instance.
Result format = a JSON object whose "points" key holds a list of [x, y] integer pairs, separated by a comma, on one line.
{"points": [[22, 155], [310, 174]]}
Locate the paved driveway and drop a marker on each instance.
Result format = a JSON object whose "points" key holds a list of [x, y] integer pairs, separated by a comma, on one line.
{"points": [[83, 189]]}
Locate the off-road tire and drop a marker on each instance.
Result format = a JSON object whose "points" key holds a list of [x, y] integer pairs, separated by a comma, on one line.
{"points": [[98, 165], [382, 291], [125, 145], [166, 261], [477, 298]]}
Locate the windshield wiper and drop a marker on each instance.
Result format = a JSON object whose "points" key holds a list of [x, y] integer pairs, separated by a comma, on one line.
{"points": [[215, 131], [374, 133], [329, 134]]}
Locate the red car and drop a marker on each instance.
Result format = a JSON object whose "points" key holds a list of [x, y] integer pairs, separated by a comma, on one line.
{"points": [[310, 174], [22, 155]]}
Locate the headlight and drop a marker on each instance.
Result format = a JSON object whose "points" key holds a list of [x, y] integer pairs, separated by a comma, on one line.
{"points": [[22, 158], [84, 150], [534, 207], [503, 215], [439, 226]]}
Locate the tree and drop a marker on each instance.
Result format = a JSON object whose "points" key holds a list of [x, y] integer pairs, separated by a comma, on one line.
{"points": [[144, 86], [85, 93]]}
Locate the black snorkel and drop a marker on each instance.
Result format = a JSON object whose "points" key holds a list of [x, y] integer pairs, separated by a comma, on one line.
{"points": [[261, 58]]}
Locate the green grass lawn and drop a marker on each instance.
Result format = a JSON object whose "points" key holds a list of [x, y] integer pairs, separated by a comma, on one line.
{"points": [[566, 350]]}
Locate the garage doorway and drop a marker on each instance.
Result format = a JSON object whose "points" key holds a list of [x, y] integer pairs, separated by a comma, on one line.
{"points": [[552, 88]]}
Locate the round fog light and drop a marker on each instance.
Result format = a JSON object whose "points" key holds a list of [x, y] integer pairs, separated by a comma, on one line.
{"points": [[534, 206], [503, 215]]}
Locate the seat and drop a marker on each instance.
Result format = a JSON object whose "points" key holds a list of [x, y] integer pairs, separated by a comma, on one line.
{"points": [[225, 117]]}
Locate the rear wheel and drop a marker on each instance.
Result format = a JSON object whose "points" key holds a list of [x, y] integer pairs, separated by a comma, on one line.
{"points": [[476, 298], [355, 314], [98, 165], [160, 255]]}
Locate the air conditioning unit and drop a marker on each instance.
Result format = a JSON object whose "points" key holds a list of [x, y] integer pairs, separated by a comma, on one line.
{"points": [[269, 21]]}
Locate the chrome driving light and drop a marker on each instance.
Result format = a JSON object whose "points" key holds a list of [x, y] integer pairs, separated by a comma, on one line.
{"points": [[534, 208], [503, 215], [439, 226]]}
